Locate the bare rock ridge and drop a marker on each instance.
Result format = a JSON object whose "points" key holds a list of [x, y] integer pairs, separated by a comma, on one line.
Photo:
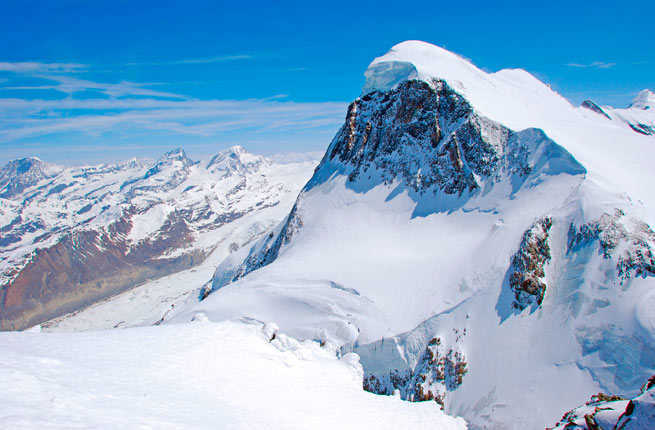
{"points": [[88, 265], [71, 237]]}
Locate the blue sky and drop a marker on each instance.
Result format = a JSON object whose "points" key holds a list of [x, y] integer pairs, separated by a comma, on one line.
{"points": [[89, 81]]}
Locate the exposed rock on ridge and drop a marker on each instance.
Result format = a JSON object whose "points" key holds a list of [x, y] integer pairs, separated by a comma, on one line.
{"points": [[428, 139], [527, 274], [628, 240], [439, 370]]}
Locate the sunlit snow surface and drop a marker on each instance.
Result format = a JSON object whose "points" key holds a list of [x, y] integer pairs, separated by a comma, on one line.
{"points": [[372, 273], [198, 375]]}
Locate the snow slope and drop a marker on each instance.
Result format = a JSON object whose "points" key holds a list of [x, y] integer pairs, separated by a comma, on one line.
{"points": [[197, 375], [447, 201]]}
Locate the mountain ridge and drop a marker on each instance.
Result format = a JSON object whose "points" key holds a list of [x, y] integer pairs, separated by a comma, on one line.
{"points": [[565, 257]]}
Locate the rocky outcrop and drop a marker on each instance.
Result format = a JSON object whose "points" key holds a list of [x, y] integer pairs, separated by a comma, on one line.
{"points": [[527, 277], [613, 412], [263, 253], [588, 104], [440, 369], [642, 128], [629, 241], [429, 138]]}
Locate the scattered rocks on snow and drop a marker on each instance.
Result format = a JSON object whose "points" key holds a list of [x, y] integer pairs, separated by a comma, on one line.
{"points": [[612, 412], [440, 369]]}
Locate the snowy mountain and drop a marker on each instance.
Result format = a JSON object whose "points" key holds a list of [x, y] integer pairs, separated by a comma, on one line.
{"points": [[23, 173], [70, 237], [639, 116], [474, 237]]}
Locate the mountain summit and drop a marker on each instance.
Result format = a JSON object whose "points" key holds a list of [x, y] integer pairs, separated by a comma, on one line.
{"points": [[644, 100], [476, 239], [17, 175]]}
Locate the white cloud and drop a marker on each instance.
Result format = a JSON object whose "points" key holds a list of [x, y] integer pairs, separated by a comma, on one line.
{"points": [[20, 119], [36, 67], [131, 108], [70, 86], [594, 65]]}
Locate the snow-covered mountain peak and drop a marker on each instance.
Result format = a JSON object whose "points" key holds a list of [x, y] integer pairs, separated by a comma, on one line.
{"points": [[22, 173], [644, 100], [512, 97], [235, 160], [418, 60], [236, 149], [177, 154], [175, 163]]}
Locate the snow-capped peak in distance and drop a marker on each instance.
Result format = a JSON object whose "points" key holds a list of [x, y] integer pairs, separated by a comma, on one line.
{"points": [[177, 154], [235, 160], [644, 100], [22, 173], [639, 116]]}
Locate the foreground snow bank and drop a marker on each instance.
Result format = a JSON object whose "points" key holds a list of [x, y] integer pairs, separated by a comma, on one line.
{"points": [[196, 375]]}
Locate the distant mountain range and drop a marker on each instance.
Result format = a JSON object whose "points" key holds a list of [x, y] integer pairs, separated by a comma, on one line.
{"points": [[72, 236]]}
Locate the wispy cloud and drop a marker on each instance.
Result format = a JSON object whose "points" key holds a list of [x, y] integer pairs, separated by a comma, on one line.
{"points": [[136, 109], [70, 86], [36, 67], [594, 65], [208, 60], [20, 119]]}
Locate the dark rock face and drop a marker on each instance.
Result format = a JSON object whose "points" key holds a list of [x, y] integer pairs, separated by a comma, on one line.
{"points": [[629, 241], [527, 278], [588, 104], [428, 137], [89, 265], [439, 370]]}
